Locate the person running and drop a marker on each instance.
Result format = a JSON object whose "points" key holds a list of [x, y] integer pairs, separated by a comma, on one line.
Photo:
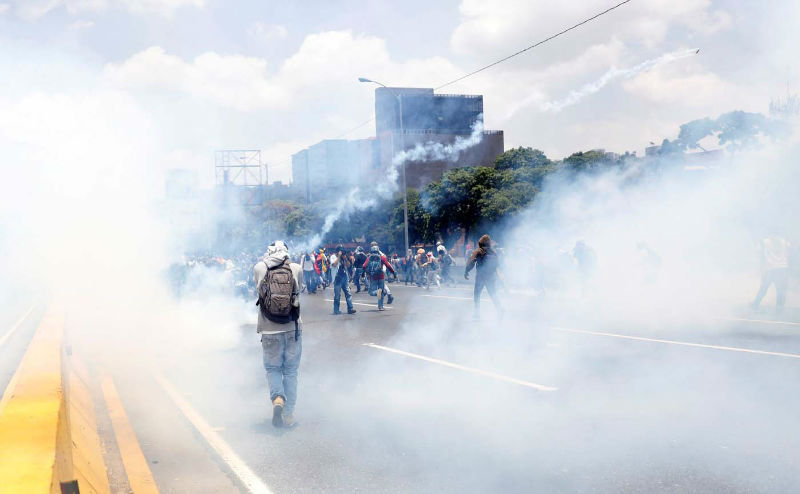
{"points": [[359, 259], [446, 263], [340, 262], [485, 258], [433, 272], [374, 267], [280, 327], [309, 274], [774, 270]]}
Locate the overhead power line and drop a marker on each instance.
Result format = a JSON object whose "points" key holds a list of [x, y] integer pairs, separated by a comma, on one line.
{"points": [[533, 45], [549, 38]]}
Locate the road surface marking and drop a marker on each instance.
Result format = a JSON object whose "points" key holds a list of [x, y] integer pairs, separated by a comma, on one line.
{"points": [[248, 478], [673, 342], [16, 325], [762, 321], [140, 478], [493, 375], [361, 303]]}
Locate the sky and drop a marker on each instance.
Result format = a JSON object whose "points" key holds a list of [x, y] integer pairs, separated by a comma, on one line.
{"points": [[186, 77]]}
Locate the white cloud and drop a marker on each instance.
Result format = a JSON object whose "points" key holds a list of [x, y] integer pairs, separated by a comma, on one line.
{"points": [[267, 32], [81, 24]]}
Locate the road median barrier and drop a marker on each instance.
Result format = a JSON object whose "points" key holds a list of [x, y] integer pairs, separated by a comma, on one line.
{"points": [[48, 432]]}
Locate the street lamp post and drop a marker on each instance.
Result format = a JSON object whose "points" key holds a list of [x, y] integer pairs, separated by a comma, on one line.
{"points": [[402, 144]]}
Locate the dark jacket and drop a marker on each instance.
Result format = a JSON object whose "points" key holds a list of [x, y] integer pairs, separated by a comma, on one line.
{"points": [[484, 257]]}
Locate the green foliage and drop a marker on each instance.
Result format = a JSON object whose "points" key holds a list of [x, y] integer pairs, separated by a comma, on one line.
{"points": [[521, 158], [582, 161]]}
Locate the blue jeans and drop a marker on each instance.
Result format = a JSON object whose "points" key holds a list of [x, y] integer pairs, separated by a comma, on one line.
{"points": [[378, 285], [311, 281], [359, 272], [281, 361], [340, 285]]}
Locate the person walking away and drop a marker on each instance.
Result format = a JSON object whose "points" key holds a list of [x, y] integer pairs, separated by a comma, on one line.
{"points": [[485, 260], [280, 327], [340, 262], [374, 267], [322, 268], [433, 271], [359, 259], [309, 274], [446, 263], [774, 270]]}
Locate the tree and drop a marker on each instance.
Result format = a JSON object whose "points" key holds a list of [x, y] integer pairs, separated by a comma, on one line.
{"points": [[582, 161], [519, 158]]}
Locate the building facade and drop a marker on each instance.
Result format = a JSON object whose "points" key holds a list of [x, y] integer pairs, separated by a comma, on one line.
{"points": [[404, 119]]}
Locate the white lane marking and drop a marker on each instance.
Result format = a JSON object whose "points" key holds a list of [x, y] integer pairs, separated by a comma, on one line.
{"points": [[249, 479], [674, 342], [16, 325], [360, 303], [493, 375], [761, 321]]}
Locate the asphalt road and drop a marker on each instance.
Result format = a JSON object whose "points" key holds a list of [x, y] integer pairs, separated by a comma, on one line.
{"points": [[422, 397], [466, 406]]}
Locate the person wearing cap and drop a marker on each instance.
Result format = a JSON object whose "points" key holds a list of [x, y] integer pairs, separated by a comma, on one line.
{"points": [[340, 262], [378, 278], [386, 288]]}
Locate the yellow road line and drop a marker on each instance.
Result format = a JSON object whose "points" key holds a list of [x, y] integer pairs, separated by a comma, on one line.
{"points": [[140, 478], [493, 375], [16, 325], [674, 342], [34, 440], [249, 479]]}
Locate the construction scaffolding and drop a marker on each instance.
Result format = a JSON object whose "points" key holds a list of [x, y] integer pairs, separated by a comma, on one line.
{"points": [[239, 173]]}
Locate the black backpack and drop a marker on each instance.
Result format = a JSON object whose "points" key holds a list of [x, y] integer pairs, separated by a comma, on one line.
{"points": [[276, 292]]}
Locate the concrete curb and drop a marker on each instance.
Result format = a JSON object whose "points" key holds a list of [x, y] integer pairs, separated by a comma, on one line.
{"points": [[48, 432]]}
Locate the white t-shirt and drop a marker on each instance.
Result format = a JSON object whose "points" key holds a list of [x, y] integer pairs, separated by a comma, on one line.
{"points": [[776, 252]]}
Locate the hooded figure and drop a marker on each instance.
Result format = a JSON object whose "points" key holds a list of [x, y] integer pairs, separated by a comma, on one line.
{"points": [[281, 342]]}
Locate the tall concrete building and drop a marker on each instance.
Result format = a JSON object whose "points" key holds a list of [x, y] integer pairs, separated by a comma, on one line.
{"points": [[333, 165], [428, 117], [330, 165]]}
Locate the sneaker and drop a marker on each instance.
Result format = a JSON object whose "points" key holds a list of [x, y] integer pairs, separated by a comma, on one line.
{"points": [[277, 411], [381, 308], [390, 300], [351, 311], [288, 420]]}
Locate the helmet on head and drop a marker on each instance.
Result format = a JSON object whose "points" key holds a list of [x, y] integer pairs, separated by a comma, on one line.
{"points": [[340, 248], [374, 249], [420, 251]]}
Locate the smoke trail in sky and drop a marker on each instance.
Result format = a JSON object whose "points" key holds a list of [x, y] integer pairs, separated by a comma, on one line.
{"points": [[358, 200], [609, 76]]}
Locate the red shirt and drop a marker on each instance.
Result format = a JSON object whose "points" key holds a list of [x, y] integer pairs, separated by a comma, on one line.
{"points": [[379, 275]]}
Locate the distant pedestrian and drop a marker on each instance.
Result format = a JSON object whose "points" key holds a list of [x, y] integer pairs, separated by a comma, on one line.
{"points": [[374, 268], [486, 260], [359, 259], [280, 327], [774, 270], [309, 274], [340, 263]]}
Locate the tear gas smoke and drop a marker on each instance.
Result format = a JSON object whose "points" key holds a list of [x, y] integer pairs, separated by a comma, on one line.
{"points": [[608, 77], [358, 200]]}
